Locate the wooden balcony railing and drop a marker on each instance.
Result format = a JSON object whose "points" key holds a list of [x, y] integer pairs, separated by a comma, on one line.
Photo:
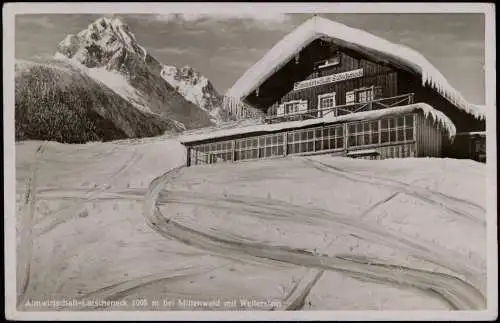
{"points": [[378, 104]]}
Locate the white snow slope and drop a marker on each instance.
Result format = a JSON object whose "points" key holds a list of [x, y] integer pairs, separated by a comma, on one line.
{"points": [[112, 79], [122, 221]]}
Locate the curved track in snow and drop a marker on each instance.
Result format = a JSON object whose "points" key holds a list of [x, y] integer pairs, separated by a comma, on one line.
{"points": [[452, 290], [457, 289], [268, 209]]}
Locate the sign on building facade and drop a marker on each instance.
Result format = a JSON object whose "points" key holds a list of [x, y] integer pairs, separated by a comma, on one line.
{"points": [[328, 79]]}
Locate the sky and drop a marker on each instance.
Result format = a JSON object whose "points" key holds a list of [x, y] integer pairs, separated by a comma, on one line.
{"points": [[223, 46]]}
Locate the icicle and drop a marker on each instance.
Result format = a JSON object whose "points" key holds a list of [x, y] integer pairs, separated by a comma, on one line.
{"points": [[440, 118]]}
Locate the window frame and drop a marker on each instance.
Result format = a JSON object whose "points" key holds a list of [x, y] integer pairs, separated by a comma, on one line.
{"points": [[332, 108], [291, 102], [350, 93], [388, 131], [373, 90], [273, 143]]}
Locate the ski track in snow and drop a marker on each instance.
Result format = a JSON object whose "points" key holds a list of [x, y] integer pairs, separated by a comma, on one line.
{"points": [[65, 214], [297, 302], [275, 210], [456, 292], [436, 198], [119, 290], [26, 245], [282, 211]]}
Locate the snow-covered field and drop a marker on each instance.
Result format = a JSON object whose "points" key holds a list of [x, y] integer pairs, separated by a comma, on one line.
{"points": [[122, 221]]}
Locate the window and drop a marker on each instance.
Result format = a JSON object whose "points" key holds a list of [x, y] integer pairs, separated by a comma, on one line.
{"points": [[408, 119], [246, 148], [396, 129], [389, 130], [212, 153], [326, 102], [363, 133], [349, 97], [301, 141], [271, 145], [315, 139], [333, 137], [292, 107], [365, 94]]}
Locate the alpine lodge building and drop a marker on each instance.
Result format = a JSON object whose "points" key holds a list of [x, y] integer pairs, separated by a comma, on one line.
{"points": [[326, 88]]}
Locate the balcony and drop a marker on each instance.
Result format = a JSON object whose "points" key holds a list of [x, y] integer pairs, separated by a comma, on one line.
{"points": [[339, 110]]}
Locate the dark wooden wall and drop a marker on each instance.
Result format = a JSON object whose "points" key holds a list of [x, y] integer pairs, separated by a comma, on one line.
{"points": [[373, 74], [468, 147], [464, 122], [393, 80], [279, 87]]}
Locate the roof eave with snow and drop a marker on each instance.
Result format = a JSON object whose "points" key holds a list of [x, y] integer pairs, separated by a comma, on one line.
{"points": [[318, 27], [429, 112]]}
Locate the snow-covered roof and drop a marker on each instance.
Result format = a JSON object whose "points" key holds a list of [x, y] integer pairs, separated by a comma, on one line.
{"points": [[318, 27], [428, 111]]}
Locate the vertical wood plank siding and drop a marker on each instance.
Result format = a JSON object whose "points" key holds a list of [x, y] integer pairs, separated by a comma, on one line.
{"points": [[279, 87], [430, 137], [373, 75]]}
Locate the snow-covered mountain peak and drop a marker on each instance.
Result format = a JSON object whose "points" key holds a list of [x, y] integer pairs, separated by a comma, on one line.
{"points": [[193, 86], [100, 42], [185, 75], [108, 52]]}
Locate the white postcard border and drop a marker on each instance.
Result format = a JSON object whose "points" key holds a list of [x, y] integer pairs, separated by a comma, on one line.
{"points": [[11, 9]]}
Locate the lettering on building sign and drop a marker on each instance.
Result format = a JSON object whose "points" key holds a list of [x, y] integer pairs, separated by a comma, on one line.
{"points": [[328, 79]]}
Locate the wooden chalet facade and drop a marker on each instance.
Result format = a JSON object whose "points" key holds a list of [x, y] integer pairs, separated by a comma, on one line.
{"points": [[332, 93]]}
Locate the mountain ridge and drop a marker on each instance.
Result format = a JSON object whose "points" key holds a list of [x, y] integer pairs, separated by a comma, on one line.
{"points": [[104, 62], [109, 44]]}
